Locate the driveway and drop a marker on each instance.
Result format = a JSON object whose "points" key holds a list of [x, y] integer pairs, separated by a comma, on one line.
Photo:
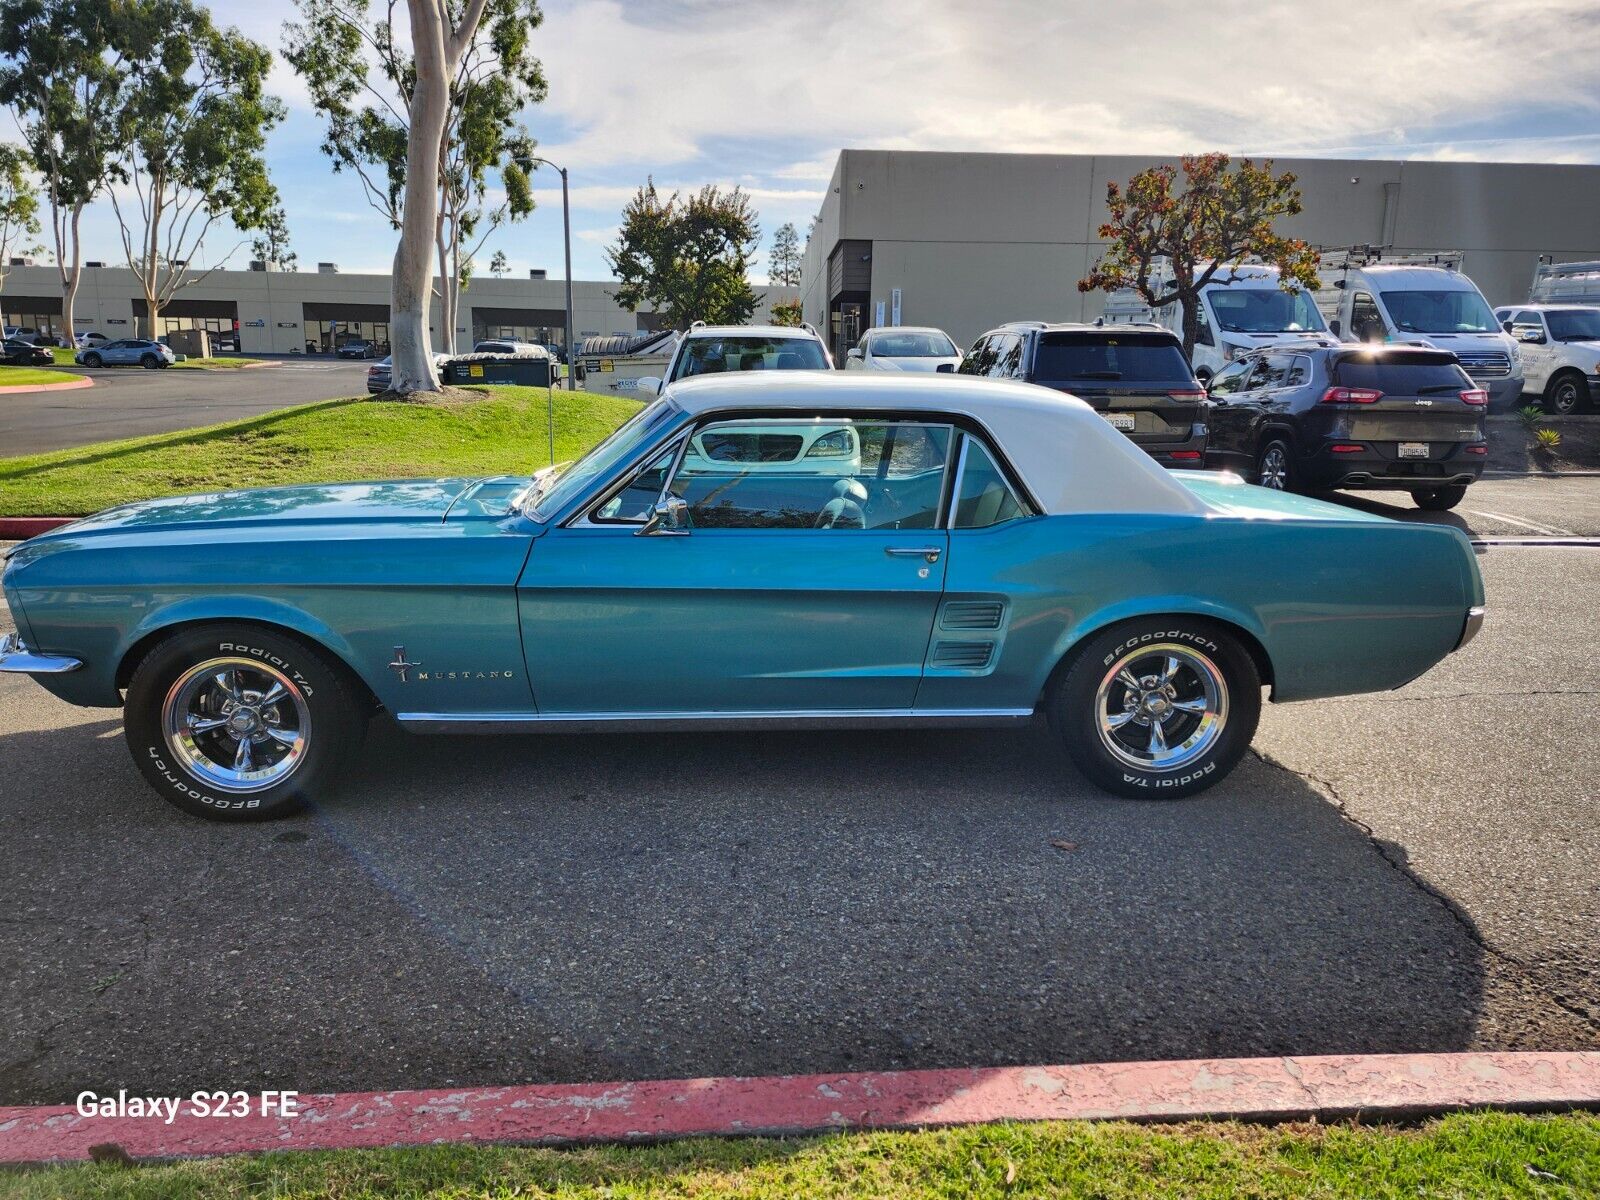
{"points": [[128, 402], [1412, 871]]}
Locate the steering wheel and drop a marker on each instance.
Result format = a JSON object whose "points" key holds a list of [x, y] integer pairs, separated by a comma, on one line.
{"points": [[840, 513]]}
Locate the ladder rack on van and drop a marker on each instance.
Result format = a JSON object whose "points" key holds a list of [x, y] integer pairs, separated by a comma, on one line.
{"points": [[1553, 282], [1350, 257]]}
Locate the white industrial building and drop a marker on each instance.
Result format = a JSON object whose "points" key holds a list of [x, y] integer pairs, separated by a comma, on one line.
{"points": [[968, 241], [299, 312]]}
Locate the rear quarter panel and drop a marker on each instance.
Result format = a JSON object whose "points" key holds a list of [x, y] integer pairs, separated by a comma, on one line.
{"points": [[1338, 607]]}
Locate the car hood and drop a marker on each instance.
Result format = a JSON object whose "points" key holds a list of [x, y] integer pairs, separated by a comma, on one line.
{"points": [[913, 364], [386, 501]]}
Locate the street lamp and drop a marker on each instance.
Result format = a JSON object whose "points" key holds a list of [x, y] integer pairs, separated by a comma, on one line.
{"points": [[572, 356]]}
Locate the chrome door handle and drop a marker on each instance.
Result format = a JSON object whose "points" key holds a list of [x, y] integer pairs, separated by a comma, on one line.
{"points": [[931, 553]]}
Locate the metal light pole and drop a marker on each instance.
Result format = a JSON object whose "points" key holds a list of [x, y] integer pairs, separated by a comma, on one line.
{"points": [[572, 356]]}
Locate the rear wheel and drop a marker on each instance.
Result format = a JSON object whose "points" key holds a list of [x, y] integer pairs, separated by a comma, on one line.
{"points": [[150, 362], [1275, 466], [238, 723], [1566, 394], [1439, 499], [1158, 708]]}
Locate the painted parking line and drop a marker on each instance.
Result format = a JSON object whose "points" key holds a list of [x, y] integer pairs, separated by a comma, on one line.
{"points": [[1546, 530], [1282, 1088]]}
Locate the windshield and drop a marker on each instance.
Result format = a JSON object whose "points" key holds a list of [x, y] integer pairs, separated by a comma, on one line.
{"points": [[561, 489], [1440, 312], [712, 355], [1574, 324], [913, 345], [1265, 310]]}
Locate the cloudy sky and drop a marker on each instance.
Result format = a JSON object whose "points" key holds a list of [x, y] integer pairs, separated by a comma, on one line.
{"points": [[762, 94]]}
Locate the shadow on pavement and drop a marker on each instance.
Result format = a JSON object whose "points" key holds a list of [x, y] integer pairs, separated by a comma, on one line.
{"points": [[477, 911]]}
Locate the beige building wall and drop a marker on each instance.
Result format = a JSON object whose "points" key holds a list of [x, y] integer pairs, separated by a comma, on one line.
{"points": [[974, 240], [271, 304]]}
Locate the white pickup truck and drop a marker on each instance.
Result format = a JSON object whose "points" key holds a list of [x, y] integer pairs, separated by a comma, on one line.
{"points": [[1560, 352]]}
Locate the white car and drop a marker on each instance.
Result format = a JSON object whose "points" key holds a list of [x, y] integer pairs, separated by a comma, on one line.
{"points": [[903, 348], [724, 349], [1560, 352]]}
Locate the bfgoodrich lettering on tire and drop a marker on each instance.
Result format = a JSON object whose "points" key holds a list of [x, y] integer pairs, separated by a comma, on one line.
{"points": [[237, 723], [1158, 708]]}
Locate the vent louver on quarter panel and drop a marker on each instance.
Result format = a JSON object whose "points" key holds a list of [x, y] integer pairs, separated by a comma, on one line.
{"points": [[972, 614], [962, 656]]}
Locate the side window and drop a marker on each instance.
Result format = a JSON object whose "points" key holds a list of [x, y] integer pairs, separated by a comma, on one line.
{"points": [[1001, 349], [633, 503], [986, 498], [973, 363], [1202, 334], [1259, 374], [1230, 379], [816, 474], [1299, 372], [1277, 367], [1010, 365], [1366, 322]]}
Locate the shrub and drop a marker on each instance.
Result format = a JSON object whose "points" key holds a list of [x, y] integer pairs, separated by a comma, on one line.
{"points": [[1546, 439], [1531, 416]]}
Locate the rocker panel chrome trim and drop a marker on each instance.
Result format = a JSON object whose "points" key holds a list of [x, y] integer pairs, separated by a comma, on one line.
{"points": [[425, 722]]}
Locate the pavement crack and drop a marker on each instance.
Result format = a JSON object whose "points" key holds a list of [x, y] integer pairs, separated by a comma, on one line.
{"points": [[1455, 911]]}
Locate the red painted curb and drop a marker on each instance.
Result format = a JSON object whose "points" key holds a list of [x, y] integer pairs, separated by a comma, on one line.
{"points": [[48, 387], [20, 529], [1377, 1085]]}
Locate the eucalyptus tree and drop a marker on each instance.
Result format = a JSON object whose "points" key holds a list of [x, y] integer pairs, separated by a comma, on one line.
{"points": [[430, 128], [271, 243], [19, 206], [191, 133], [61, 75]]}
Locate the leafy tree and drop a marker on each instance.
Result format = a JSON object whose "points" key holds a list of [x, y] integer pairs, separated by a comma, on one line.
{"points": [[498, 265], [1166, 246], [271, 244], [191, 133], [19, 207], [687, 258], [789, 313], [784, 265], [61, 75], [470, 71]]}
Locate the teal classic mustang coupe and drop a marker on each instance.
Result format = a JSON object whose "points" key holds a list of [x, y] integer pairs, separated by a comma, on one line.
{"points": [[750, 551]]}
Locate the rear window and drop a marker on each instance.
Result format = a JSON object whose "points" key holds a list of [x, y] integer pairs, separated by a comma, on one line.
{"points": [[1402, 374], [714, 355], [1109, 357]]}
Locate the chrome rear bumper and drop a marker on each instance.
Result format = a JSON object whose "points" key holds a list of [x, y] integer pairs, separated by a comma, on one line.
{"points": [[1474, 623], [17, 659]]}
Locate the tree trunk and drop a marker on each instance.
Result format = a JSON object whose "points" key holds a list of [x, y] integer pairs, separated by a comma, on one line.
{"points": [[408, 322], [69, 264], [1191, 323]]}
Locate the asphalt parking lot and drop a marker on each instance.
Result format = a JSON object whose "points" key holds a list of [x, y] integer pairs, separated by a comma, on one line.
{"points": [[1410, 871], [128, 402]]}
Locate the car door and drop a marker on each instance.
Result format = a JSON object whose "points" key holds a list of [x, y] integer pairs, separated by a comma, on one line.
{"points": [[1230, 418], [804, 577], [1537, 357]]}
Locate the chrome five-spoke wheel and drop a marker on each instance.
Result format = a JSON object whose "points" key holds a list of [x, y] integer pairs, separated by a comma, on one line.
{"points": [[1273, 471], [1161, 707], [236, 725]]}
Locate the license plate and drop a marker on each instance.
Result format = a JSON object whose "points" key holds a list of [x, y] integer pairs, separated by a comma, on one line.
{"points": [[1119, 420], [1413, 449]]}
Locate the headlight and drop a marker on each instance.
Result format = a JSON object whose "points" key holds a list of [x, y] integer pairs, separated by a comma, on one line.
{"points": [[831, 445]]}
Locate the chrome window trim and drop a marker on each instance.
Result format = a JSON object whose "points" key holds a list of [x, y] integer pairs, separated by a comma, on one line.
{"points": [[583, 517]]}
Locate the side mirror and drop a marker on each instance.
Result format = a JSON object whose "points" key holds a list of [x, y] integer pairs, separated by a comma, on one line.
{"points": [[854, 352], [649, 386], [1333, 327], [1506, 325], [945, 369], [669, 517]]}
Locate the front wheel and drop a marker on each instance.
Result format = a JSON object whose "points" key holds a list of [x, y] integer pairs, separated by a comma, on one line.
{"points": [[91, 360], [1159, 708], [1439, 499], [1565, 395], [238, 723]]}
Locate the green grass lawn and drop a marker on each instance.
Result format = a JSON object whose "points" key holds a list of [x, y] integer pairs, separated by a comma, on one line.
{"points": [[502, 433], [63, 355], [32, 376], [1456, 1158], [217, 364]]}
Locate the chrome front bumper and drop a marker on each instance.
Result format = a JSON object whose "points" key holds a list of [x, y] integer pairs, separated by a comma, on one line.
{"points": [[1474, 622], [17, 659]]}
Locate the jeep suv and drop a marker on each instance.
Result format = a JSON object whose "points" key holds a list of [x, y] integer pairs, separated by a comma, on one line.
{"points": [[1135, 376], [1318, 416]]}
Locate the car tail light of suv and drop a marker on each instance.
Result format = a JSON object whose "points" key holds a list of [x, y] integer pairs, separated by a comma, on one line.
{"points": [[1345, 395], [1191, 394], [1475, 396]]}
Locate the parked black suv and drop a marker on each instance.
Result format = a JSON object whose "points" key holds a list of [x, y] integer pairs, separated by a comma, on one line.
{"points": [[1134, 375], [1320, 416]]}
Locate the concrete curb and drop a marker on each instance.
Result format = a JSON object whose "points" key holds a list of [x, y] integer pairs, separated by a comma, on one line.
{"points": [[67, 386], [20, 529], [1327, 1087]]}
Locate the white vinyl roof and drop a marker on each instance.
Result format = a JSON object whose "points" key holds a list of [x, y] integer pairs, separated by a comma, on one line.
{"points": [[1069, 457]]}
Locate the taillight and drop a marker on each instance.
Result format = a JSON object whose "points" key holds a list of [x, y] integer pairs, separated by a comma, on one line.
{"points": [[1346, 448], [1342, 395], [1186, 455], [1475, 396], [1478, 449], [1187, 395]]}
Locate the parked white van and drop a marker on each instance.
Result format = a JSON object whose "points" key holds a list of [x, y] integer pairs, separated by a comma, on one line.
{"points": [[1430, 306], [1242, 309]]}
